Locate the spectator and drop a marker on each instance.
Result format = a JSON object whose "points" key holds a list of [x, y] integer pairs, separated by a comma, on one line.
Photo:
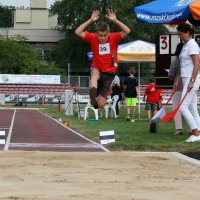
{"points": [[174, 73], [149, 98], [131, 91], [189, 62], [116, 90]]}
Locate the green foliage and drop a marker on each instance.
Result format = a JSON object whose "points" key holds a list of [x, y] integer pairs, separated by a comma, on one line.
{"points": [[71, 14], [47, 70], [67, 51], [16, 56], [6, 16]]}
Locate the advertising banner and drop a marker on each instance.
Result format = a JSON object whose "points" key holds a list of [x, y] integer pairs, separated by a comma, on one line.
{"points": [[29, 79]]}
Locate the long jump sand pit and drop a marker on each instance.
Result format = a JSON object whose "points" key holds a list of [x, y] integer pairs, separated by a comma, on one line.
{"points": [[97, 176]]}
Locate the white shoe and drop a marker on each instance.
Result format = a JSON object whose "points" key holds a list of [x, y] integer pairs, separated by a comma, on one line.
{"points": [[193, 138], [132, 120]]}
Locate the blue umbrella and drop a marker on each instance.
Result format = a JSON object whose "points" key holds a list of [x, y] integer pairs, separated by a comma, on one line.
{"points": [[167, 12]]}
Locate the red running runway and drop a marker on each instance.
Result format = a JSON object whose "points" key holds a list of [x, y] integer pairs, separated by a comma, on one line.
{"points": [[32, 130]]}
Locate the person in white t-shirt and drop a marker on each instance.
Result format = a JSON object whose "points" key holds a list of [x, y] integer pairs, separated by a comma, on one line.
{"points": [[116, 90], [189, 62]]}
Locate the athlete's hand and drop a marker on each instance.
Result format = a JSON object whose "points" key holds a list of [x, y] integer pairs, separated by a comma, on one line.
{"points": [[190, 86], [95, 15], [111, 15]]}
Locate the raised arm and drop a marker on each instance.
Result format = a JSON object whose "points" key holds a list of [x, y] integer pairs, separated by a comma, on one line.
{"points": [[80, 31], [125, 30]]}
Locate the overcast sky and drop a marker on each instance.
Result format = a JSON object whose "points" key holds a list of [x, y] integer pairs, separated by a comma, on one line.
{"points": [[18, 3]]}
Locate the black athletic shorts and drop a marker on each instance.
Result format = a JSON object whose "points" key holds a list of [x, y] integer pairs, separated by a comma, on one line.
{"points": [[104, 87]]}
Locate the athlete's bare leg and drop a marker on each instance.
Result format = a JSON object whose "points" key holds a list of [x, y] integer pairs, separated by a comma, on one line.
{"points": [[95, 75]]}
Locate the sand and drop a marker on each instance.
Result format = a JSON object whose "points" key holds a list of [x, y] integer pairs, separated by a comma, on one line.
{"points": [[97, 176]]}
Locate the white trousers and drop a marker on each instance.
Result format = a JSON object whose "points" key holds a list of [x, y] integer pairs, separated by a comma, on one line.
{"points": [[189, 106], [178, 117]]}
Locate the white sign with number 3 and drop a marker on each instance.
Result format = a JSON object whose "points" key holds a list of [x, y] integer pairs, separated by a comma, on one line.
{"points": [[164, 44]]}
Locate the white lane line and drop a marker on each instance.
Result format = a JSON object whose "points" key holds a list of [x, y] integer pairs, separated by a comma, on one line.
{"points": [[72, 145], [100, 146], [9, 133]]}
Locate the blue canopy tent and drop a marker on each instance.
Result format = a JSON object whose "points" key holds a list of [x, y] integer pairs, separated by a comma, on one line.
{"points": [[169, 12]]}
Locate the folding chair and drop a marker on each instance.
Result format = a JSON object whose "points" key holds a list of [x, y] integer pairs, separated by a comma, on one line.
{"points": [[92, 108], [111, 105]]}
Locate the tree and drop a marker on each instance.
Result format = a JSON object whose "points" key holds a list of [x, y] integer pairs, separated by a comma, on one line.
{"points": [[71, 14], [6, 14], [17, 57]]}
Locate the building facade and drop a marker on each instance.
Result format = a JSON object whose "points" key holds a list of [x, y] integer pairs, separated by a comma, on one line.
{"points": [[37, 25]]}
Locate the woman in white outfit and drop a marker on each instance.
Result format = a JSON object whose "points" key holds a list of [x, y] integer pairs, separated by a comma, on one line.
{"points": [[189, 62], [174, 73]]}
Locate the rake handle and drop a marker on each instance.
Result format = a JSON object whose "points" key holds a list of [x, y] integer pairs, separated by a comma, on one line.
{"points": [[170, 97]]}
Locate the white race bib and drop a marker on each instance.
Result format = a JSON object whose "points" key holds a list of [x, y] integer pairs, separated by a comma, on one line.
{"points": [[104, 49]]}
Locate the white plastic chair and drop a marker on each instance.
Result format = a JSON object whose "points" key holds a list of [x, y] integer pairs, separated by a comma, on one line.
{"points": [[111, 105], [89, 106]]}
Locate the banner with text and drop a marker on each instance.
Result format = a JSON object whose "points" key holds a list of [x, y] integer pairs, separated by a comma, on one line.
{"points": [[29, 79]]}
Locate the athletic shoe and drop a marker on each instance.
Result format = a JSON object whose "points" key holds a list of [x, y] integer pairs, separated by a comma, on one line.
{"points": [[93, 96], [128, 118], [193, 138], [178, 132], [132, 120]]}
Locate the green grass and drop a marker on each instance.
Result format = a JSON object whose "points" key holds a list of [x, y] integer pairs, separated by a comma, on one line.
{"points": [[130, 136]]}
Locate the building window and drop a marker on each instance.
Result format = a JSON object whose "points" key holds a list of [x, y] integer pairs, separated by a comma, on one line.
{"points": [[40, 53], [44, 54], [47, 54]]}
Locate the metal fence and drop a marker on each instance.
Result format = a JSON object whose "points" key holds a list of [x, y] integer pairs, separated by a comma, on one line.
{"points": [[83, 84], [81, 81], [84, 81]]}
